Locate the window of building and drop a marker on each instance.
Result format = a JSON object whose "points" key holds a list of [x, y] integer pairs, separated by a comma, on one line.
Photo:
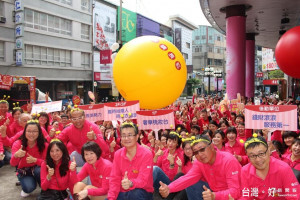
{"points": [[1, 8], [218, 38], [68, 2], [36, 55], [85, 5], [196, 49], [197, 38], [85, 60], [85, 31], [45, 22], [218, 62], [218, 50], [209, 61], [210, 49], [203, 37], [200, 48], [1, 51], [188, 45], [185, 55], [210, 37]]}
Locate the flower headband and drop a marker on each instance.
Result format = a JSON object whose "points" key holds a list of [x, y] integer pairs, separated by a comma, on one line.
{"points": [[55, 139], [76, 109], [200, 140], [253, 140], [33, 121], [128, 123], [174, 133], [188, 139]]}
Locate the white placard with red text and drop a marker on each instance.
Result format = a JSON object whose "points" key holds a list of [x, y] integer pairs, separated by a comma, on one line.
{"points": [[275, 117], [115, 110], [47, 107], [155, 119], [94, 112]]}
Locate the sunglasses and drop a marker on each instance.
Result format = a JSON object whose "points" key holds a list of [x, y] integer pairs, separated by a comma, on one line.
{"points": [[200, 150]]}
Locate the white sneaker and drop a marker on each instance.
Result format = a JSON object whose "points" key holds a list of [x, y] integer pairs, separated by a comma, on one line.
{"points": [[24, 194]]}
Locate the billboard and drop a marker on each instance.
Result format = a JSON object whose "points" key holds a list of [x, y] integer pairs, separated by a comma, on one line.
{"points": [[268, 60], [128, 25], [146, 26]]}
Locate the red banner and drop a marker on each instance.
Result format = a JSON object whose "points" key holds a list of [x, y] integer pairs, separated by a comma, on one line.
{"points": [[6, 81], [155, 119], [105, 56], [271, 82]]}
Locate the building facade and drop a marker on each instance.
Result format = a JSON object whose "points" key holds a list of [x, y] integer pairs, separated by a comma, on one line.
{"points": [[51, 40], [209, 57]]}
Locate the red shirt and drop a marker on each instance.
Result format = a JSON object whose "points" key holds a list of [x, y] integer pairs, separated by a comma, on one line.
{"points": [[139, 169], [223, 176], [237, 149], [78, 137], [57, 182], [15, 128], [34, 152], [186, 168], [99, 176], [279, 178], [293, 164], [1, 146], [164, 163]]}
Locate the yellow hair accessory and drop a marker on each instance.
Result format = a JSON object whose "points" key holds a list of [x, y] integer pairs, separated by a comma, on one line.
{"points": [[33, 121], [69, 106], [253, 140], [57, 132], [16, 106], [129, 114], [128, 123], [75, 109], [174, 133], [178, 128], [171, 125], [187, 139], [55, 139], [122, 115], [186, 133], [33, 114], [4, 100], [254, 135], [199, 140], [38, 115], [193, 137], [242, 141]]}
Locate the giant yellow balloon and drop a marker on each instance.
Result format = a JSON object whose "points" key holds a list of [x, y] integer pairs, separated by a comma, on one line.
{"points": [[150, 69]]}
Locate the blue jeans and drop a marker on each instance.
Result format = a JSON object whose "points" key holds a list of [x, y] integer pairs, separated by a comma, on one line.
{"points": [[29, 182], [159, 175], [1, 163], [7, 157], [195, 191], [78, 158], [137, 193]]}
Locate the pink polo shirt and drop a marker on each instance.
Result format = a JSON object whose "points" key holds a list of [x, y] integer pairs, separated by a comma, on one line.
{"points": [[186, 168], [99, 176], [280, 182], [34, 152], [139, 171], [14, 128], [237, 149], [78, 137], [294, 164], [223, 176], [164, 163], [57, 182], [1, 146]]}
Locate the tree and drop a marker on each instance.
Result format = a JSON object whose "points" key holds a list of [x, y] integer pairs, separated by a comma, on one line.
{"points": [[276, 74], [191, 85]]}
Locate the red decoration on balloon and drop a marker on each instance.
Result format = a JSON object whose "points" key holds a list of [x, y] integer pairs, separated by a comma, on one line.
{"points": [[287, 52]]}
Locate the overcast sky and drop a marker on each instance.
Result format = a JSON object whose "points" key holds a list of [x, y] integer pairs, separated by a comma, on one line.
{"points": [[160, 10]]}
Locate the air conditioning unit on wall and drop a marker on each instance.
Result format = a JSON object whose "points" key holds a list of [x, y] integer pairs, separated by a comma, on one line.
{"points": [[2, 19]]}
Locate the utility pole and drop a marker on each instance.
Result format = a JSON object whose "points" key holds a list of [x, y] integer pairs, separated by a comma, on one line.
{"points": [[120, 20]]}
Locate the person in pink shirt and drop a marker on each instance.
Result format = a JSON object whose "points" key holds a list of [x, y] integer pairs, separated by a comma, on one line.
{"points": [[1, 153], [165, 163], [98, 169], [288, 138], [293, 159], [28, 154], [214, 175], [111, 139], [57, 172], [219, 140], [44, 120], [131, 175], [80, 132], [266, 177], [15, 125]]}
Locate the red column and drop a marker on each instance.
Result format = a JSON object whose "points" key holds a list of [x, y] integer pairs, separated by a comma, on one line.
{"points": [[235, 50]]}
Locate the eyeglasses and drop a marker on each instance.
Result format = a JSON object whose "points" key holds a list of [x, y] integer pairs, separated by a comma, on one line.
{"points": [[187, 149], [128, 136], [76, 119], [201, 150], [260, 155], [32, 131]]}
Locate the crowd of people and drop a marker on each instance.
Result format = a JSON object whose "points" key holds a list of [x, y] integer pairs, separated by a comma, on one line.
{"points": [[207, 155]]}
